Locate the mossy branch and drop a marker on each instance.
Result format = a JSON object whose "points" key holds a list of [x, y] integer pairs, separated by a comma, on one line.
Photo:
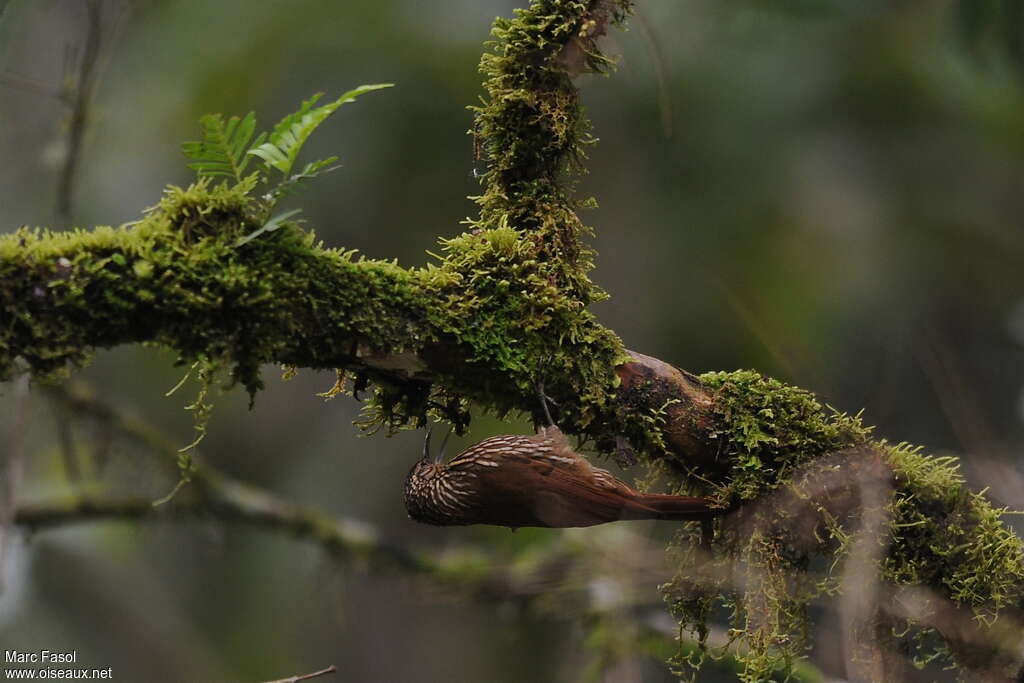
{"points": [[531, 130], [480, 326], [504, 308]]}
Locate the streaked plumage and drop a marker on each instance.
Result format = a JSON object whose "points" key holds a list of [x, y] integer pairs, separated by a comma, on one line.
{"points": [[538, 480]]}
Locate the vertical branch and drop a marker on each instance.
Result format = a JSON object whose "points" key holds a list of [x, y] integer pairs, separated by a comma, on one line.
{"points": [[80, 98], [860, 592], [11, 462], [532, 132], [66, 440], [665, 112]]}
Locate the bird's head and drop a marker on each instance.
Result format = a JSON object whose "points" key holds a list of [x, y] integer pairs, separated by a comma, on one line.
{"points": [[421, 492], [424, 470]]}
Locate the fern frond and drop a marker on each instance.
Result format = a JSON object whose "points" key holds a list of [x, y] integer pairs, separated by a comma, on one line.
{"points": [[222, 151], [291, 133], [270, 226], [310, 171]]}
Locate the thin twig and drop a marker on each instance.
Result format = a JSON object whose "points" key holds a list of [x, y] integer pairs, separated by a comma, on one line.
{"points": [[661, 77], [215, 495], [232, 501], [861, 586], [305, 677], [13, 80], [218, 496], [81, 98], [10, 465], [66, 439]]}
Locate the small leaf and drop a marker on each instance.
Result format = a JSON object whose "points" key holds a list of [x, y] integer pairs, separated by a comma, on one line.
{"points": [[222, 151], [315, 168], [311, 170], [270, 226], [274, 157], [291, 132]]}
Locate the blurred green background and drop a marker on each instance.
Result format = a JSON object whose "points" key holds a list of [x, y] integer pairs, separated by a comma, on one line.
{"points": [[828, 191]]}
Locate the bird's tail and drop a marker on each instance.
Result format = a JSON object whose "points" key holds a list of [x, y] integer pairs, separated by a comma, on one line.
{"points": [[661, 506]]}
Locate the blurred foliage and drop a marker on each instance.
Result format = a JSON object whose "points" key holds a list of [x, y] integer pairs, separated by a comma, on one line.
{"points": [[828, 191]]}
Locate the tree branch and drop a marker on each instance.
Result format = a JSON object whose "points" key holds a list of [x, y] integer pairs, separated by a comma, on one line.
{"points": [[217, 496], [506, 307], [305, 677], [231, 502]]}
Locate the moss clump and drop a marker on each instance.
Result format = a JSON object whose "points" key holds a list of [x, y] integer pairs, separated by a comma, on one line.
{"points": [[177, 278], [515, 287], [810, 483], [499, 300], [531, 129], [511, 294], [764, 429], [506, 307]]}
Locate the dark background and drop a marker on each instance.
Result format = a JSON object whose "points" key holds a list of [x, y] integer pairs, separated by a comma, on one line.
{"points": [[829, 192]]}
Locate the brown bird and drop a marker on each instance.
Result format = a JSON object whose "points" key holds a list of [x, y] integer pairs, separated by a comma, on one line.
{"points": [[519, 481]]}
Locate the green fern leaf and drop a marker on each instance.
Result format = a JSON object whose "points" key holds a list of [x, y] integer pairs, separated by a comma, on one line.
{"points": [[315, 168], [291, 133], [222, 151], [310, 171], [270, 226]]}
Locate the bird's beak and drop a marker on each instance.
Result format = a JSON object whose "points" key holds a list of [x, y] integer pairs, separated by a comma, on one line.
{"points": [[444, 442], [426, 443]]}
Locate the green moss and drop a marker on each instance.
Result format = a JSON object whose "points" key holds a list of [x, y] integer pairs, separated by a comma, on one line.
{"points": [[763, 429], [950, 538], [177, 278], [532, 132], [511, 293], [515, 287], [500, 301], [805, 475], [66, 293], [506, 307]]}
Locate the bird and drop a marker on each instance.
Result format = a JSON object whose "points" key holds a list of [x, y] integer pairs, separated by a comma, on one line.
{"points": [[532, 481]]}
